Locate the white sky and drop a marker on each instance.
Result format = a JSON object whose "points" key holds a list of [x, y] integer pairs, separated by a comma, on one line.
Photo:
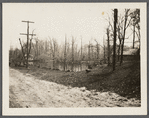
{"points": [[56, 20]]}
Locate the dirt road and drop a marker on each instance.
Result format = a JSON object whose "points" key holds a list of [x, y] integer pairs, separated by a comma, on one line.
{"points": [[28, 91]]}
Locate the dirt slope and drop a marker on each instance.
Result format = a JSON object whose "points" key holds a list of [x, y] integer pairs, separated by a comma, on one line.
{"points": [[28, 91]]}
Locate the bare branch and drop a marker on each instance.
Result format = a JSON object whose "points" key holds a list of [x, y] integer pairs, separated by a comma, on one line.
{"points": [[96, 41], [22, 49], [109, 22], [128, 24], [30, 46], [51, 46]]}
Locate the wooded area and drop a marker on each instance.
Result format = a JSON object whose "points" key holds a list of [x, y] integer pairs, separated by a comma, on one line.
{"points": [[70, 52]]}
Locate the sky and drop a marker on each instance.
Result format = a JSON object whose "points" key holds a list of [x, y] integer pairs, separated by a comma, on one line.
{"points": [[56, 20]]}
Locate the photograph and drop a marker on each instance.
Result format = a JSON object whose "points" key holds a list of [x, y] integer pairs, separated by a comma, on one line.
{"points": [[74, 58]]}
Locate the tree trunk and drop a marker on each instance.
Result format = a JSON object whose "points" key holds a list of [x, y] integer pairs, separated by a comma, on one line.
{"points": [[89, 53], [92, 53], [108, 45], [119, 50], [123, 40], [27, 44], [133, 36], [30, 46], [97, 52], [65, 54], [139, 38], [81, 49], [23, 54], [37, 48], [72, 53], [114, 42], [104, 54], [54, 55]]}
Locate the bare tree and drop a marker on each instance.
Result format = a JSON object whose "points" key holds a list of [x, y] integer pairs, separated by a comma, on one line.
{"points": [[135, 16], [23, 53], [119, 30], [89, 52], [65, 54], [72, 53], [53, 45], [30, 43], [97, 46], [108, 46], [124, 31], [114, 42], [81, 48]]}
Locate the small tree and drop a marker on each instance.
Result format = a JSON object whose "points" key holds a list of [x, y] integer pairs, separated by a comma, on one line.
{"points": [[135, 16], [124, 31], [53, 48]]}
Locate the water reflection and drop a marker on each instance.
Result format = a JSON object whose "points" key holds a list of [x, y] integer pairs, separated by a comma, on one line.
{"points": [[72, 67]]}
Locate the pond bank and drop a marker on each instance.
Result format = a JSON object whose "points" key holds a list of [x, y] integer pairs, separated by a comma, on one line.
{"points": [[35, 88], [125, 80]]}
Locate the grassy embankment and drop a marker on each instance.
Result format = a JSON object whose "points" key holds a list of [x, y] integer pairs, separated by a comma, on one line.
{"points": [[125, 80]]}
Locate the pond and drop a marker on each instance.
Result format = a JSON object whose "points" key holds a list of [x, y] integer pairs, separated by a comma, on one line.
{"points": [[69, 66], [72, 67]]}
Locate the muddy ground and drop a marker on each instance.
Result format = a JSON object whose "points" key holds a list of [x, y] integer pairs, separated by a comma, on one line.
{"points": [[36, 87]]}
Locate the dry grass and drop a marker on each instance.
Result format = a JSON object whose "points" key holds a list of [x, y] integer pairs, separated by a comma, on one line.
{"points": [[125, 80]]}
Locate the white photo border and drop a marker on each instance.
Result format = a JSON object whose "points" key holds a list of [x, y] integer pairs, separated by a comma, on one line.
{"points": [[78, 111]]}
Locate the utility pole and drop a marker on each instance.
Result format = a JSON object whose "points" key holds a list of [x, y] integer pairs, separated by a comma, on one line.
{"points": [[114, 42], [27, 39]]}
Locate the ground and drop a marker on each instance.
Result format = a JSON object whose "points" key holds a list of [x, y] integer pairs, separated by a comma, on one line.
{"points": [[36, 87]]}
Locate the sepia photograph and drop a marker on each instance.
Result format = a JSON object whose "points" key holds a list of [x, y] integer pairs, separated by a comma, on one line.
{"points": [[74, 58]]}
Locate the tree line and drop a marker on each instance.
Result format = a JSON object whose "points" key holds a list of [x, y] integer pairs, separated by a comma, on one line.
{"points": [[117, 30], [71, 52]]}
